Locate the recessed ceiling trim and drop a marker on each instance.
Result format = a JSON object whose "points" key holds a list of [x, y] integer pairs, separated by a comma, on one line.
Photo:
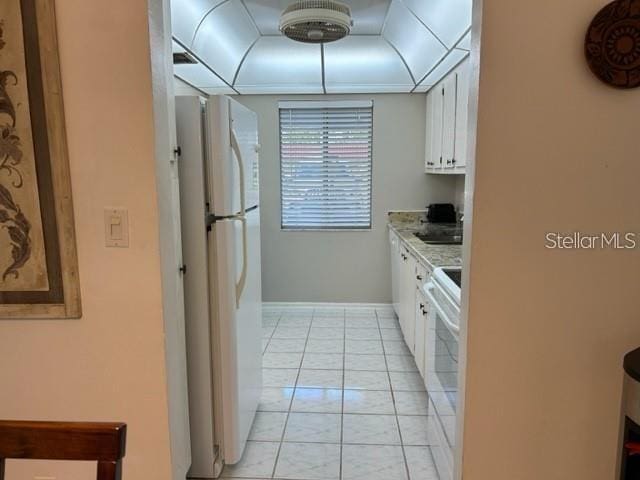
{"points": [[255, 24], [195, 32], [443, 59], [244, 57], [413, 79], [386, 16], [205, 64], [423, 24]]}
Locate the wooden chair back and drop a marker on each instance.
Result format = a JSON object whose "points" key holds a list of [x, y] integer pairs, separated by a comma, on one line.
{"points": [[100, 442]]}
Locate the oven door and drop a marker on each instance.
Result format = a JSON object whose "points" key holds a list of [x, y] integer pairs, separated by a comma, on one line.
{"points": [[442, 372]]}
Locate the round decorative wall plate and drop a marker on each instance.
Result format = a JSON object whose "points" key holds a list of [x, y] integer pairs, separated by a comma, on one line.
{"points": [[612, 44]]}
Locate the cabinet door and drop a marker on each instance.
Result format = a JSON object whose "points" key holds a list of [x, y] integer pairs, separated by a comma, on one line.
{"points": [[449, 121], [428, 161], [394, 244], [403, 258], [409, 301], [421, 330], [435, 113], [462, 115]]}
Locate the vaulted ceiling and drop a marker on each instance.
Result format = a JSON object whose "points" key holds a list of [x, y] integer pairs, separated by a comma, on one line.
{"points": [[395, 46]]}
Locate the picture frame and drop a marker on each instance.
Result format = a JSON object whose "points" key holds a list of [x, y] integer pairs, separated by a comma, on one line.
{"points": [[38, 258]]}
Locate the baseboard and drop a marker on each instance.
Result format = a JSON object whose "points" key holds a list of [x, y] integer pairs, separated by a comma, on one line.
{"points": [[325, 305]]}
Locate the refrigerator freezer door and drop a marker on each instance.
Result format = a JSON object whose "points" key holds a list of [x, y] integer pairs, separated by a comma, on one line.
{"points": [[244, 124], [239, 326], [223, 115]]}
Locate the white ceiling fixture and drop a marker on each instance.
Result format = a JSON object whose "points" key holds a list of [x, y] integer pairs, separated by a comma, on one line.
{"points": [[316, 21], [392, 46]]}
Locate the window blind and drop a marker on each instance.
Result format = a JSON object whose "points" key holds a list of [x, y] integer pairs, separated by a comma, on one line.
{"points": [[325, 162]]}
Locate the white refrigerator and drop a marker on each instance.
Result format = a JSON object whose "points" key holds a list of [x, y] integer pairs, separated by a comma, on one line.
{"points": [[219, 195]]}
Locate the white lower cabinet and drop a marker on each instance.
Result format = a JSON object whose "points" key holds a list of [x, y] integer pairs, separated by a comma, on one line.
{"points": [[421, 312], [408, 298], [396, 262], [407, 278]]}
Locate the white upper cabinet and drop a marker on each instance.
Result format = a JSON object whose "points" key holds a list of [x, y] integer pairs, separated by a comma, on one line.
{"points": [[435, 114], [419, 48], [447, 123], [462, 117], [447, 19], [224, 37]]}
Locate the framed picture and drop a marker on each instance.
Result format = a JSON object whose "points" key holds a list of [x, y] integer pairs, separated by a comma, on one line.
{"points": [[38, 261]]}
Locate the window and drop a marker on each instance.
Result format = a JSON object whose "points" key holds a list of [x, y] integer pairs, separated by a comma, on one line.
{"points": [[325, 165]]}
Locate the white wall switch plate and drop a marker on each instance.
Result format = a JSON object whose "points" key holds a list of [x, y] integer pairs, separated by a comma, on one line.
{"points": [[116, 227]]}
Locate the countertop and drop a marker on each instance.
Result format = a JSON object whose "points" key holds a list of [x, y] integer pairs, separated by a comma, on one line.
{"points": [[405, 224]]}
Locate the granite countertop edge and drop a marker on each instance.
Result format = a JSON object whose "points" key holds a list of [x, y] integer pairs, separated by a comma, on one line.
{"points": [[430, 256]]}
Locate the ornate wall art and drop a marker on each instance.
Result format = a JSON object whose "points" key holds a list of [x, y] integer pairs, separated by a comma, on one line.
{"points": [[38, 263], [612, 45]]}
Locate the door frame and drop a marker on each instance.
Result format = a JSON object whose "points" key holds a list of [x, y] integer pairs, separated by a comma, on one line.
{"points": [[168, 197]]}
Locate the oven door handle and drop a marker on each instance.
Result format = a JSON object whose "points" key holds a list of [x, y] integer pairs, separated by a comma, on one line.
{"points": [[428, 288]]}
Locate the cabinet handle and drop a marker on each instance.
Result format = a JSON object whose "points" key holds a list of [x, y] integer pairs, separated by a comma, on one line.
{"points": [[453, 161], [419, 277], [448, 162]]}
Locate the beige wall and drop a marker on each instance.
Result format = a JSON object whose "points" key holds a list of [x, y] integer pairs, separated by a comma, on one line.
{"points": [[345, 266], [110, 364], [557, 151]]}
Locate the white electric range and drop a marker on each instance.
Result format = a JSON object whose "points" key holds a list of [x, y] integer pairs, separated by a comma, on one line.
{"points": [[441, 376]]}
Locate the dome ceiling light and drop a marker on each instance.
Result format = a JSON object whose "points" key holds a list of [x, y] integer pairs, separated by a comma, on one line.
{"points": [[316, 21]]}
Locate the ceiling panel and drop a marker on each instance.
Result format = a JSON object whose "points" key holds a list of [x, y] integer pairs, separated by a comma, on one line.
{"points": [[368, 15], [448, 19], [186, 15], [419, 47], [366, 64], [198, 75], [224, 37], [465, 43], [455, 56], [277, 65]]}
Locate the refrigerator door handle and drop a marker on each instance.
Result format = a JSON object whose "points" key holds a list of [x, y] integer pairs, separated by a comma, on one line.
{"points": [[243, 275], [235, 146]]}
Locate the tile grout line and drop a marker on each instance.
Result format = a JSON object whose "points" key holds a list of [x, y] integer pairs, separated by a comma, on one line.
{"points": [[293, 395], [378, 329], [393, 398]]}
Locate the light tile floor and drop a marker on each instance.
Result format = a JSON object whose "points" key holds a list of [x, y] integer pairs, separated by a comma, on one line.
{"points": [[343, 400]]}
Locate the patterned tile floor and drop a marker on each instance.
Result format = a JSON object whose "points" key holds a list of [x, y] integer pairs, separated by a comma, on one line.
{"points": [[343, 400]]}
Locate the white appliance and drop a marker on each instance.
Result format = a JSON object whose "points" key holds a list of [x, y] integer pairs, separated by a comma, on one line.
{"points": [[218, 168], [441, 362]]}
